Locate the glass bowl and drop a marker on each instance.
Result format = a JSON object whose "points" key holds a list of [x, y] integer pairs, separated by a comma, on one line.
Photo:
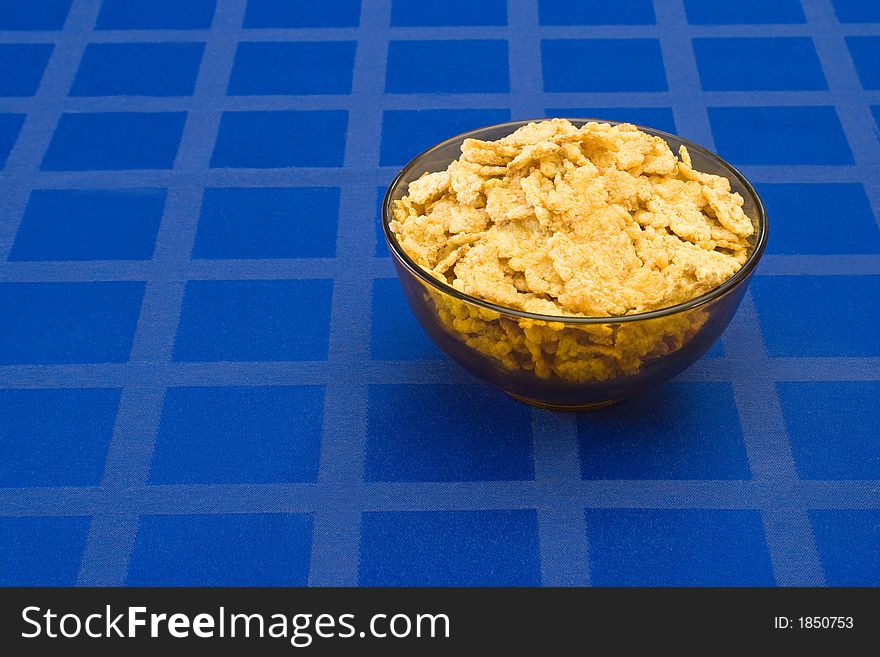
{"points": [[569, 363]]}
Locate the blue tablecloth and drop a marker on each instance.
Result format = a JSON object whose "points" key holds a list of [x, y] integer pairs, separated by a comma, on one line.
{"points": [[208, 374]]}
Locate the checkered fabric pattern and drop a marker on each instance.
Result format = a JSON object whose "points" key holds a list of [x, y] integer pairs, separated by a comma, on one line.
{"points": [[208, 374]]}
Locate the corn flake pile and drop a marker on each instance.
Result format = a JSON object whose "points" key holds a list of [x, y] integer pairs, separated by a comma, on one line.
{"points": [[596, 221], [600, 221]]}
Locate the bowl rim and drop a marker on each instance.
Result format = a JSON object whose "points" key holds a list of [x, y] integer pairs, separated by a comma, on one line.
{"points": [[740, 276]]}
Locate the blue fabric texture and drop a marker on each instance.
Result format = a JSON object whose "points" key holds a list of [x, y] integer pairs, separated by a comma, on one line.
{"points": [[209, 374]]}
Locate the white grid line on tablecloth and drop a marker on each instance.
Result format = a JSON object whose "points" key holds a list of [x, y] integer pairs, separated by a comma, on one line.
{"points": [[434, 32], [718, 494], [856, 264], [789, 540], [861, 130], [366, 372], [336, 535], [562, 538], [39, 124], [416, 101], [112, 534]]}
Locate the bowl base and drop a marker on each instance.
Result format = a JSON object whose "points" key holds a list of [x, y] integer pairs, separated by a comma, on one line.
{"points": [[565, 407]]}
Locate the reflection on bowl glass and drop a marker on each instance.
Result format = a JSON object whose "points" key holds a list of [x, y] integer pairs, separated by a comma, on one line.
{"points": [[569, 362]]}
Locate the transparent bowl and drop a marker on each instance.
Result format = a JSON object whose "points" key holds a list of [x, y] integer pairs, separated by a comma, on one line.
{"points": [[569, 363]]}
